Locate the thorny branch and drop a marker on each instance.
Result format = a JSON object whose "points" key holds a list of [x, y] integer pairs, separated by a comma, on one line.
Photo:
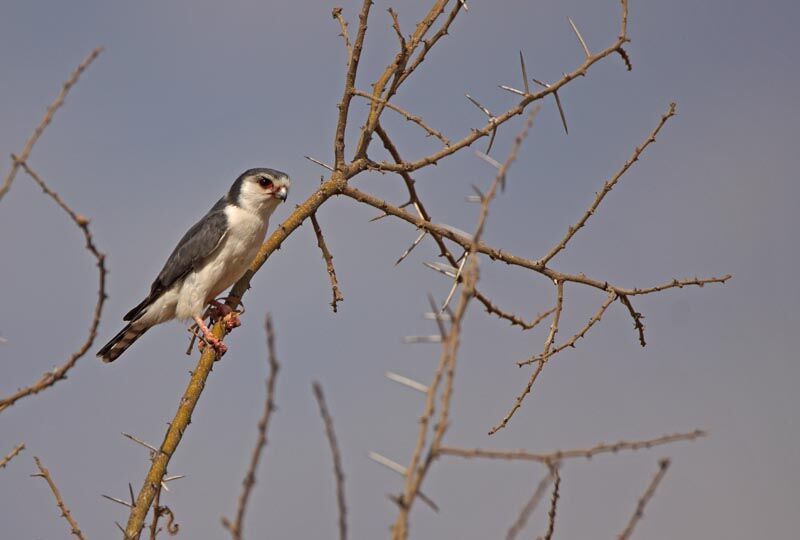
{"points": [[551, 514], [60, 373], [607, 187], [326, 254], [65, 513], [560, 455], [578, 335], [542, 360], [48, 117], [663, 465], [418, 467], [11, 455], [249, 481], [413, 51], [529, 508], [338, 471]]}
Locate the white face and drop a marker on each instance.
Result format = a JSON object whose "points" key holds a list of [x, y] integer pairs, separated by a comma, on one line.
{"points": [[263, 192]]}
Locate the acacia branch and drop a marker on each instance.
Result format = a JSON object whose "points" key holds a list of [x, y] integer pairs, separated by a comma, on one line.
{"points": [[65, 513], [545, 356], [326, 255], [497, 121], [11, 455], [60, 373], [608, 186], [336, 13], [181, 420], [418, 468], [249, 481], [560, 455], [349, 82], [529, 508], [515, 260], [578, 335], [338, 472], [663, 465], [551, 514], [48, 117], [407, 115]]}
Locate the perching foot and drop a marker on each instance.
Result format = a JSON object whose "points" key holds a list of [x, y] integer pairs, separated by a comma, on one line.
{"points": [[208, 338]]}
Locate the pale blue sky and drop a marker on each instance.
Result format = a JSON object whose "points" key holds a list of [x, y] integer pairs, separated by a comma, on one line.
{"points": [[189, 94]]}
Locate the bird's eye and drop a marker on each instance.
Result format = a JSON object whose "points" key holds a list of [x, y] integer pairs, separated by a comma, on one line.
{"points": [[265, 182]]}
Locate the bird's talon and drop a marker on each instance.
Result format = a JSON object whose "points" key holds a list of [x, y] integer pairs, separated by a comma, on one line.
{"points": [[232, 321]]}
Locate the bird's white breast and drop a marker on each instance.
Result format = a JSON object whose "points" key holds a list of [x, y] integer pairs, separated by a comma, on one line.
{"points": [[238, 248]]}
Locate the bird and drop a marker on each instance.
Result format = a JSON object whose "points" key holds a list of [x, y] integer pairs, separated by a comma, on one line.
{"points": [[213, 254]]}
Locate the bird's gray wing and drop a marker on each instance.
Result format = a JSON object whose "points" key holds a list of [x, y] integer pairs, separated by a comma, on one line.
{"points": [[198, 243]]}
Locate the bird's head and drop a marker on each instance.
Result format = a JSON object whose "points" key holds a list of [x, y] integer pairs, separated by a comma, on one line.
{"points": [[260, 190]]}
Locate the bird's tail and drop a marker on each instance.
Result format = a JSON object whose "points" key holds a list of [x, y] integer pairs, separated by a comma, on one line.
{"points": [[120, 343]]}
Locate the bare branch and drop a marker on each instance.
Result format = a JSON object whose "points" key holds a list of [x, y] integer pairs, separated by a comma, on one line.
{"points": [[338, 472], [336, 13], [48, 117], [663, 465], [249, 481], [60, 373], [513, 319], [551, 514], [578, 335], [544, 357], [608, 186], [350, 79], [637, 318], [66, 514], [407, 115], [498, 254], [529, 508], [560, 455], [11, 455], [326, 254]]}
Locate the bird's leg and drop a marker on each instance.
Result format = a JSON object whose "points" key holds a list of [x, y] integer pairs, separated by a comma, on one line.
{"points": [[209, 338]]}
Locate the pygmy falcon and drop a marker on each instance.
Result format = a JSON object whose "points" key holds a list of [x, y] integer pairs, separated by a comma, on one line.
{"points": [[209, 258]]}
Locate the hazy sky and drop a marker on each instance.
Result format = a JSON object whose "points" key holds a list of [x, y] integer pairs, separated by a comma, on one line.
{"points": [[189, 94]]}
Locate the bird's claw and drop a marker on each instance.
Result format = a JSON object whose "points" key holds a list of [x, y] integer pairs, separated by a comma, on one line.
{"points": [[232, 321], [219, 347]]}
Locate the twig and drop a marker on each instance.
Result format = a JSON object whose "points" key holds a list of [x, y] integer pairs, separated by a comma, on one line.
{"points": [[338, 473], [249, 481], [59, 373], [407, 115], [543, 359], [11, 455], [48, 117], [578, 335], [608, 186], [551, 514], [637, 318], [354, 55], [529, 508], [515, 260], [174, 435], [419, 466], [560, 455], [510, 317], [336, 13], [663, 465], [66, 514], [326, 254]]}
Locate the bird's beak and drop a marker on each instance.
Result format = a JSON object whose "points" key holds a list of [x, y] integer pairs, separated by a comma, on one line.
{"points": [[282, 193]]}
